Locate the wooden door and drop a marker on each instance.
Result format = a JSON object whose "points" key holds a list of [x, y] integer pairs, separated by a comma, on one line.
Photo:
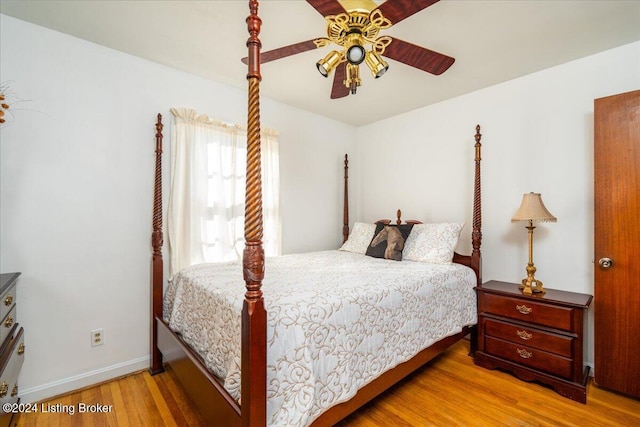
{"points": [[617, 237]]}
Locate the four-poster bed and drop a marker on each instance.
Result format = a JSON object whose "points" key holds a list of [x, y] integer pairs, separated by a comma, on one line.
{"points": [[256, 325]]}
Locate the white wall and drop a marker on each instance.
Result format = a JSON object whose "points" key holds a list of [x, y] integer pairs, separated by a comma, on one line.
{"points": [[76, 194], [537, 136]]}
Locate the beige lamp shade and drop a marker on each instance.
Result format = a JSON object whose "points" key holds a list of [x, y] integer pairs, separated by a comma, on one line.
{"points": [[532, 209]]}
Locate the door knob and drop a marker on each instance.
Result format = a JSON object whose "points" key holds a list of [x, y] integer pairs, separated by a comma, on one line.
{"points": [[605, 263]]}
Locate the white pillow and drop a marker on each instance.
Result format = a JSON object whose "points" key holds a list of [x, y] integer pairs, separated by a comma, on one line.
{"points": [[359, 238], [432, 243]]}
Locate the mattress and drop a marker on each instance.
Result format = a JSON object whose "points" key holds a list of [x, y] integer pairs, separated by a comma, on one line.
{"points": [[336, 320]]}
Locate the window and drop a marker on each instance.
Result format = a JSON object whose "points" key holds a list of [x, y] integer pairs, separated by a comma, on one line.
{"points": [[206, 203]]}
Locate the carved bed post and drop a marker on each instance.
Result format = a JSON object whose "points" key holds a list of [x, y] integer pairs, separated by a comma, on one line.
{"points": [[345, 216], [476, 233], [254, 333], [156, 260]]}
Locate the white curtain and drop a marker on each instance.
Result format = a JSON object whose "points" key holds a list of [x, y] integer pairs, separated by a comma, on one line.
{"points": [[206, 202]]}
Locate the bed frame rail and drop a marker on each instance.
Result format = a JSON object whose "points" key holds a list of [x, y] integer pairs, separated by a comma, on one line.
{"points": [[205, 390]]}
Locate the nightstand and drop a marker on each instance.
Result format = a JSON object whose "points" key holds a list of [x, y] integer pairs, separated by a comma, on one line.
{"points": [[537, 338]]}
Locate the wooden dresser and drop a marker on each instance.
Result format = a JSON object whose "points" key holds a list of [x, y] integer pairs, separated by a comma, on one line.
{"points": [[537, 338], [11, 349]]}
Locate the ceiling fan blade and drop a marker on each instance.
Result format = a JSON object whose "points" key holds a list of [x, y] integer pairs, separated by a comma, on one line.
{"points": [[418, 57], [397, 10], [339, 90], [327, 7], [283, 52]]}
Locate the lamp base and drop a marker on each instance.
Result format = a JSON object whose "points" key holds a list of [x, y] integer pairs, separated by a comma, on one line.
{"points": [[531, 285]]}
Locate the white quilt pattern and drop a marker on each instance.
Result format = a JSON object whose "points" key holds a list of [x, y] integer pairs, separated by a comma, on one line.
{"points": [[336, 321]]}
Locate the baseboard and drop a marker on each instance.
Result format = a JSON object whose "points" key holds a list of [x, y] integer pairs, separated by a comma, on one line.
{"points": [[66, 385]]}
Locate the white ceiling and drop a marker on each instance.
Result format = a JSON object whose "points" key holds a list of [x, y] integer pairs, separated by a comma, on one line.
{"points": [[492, 41]]}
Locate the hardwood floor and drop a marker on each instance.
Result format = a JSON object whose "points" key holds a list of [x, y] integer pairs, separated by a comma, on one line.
{"points": [[452, 391]]}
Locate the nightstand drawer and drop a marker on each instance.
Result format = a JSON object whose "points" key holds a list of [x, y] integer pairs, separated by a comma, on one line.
{"points": [[7, 324], [7, 300], [10, 369], [531, 337], [531, 357], [527, 310]]}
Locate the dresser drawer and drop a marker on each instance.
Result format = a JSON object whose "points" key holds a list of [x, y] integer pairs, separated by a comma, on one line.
{"points": [[7, 300], [525, 335], [531, 357], [7, 324], [10, 369], [529, 311]]}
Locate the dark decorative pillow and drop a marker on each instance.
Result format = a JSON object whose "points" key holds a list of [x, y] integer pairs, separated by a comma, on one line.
{"points": [[388, 241]]}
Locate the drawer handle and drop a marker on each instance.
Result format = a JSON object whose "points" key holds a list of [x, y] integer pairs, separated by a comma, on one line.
{"points": [[524, 353], [524, 335], [523, 309], [9, 322], [14, 392], [21, 349], [4, 388], [8, 300]]}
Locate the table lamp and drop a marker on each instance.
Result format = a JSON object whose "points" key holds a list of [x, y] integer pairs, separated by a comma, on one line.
{"points": [[532, 210]]}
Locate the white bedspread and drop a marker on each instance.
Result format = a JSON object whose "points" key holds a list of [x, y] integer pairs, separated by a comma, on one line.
{"points": [[336, 321]]}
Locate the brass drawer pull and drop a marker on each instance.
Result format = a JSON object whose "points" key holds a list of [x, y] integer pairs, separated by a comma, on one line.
{"points": [[8, 300], [14, 392], [524, 353], [21, 349], [524, 335], [523, 309], [4, 388], [9, 322]]}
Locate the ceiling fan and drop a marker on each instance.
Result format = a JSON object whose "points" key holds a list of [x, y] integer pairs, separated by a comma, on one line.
{"points": [[355, 24]]}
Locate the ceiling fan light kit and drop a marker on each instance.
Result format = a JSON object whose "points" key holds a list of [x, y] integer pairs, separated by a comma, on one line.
{"points": [[355, 54], [376, 64], [329, 63], [354, 24]]}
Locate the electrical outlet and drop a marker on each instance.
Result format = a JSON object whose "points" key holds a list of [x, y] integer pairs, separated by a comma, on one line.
{"points": [[97, 337]]}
